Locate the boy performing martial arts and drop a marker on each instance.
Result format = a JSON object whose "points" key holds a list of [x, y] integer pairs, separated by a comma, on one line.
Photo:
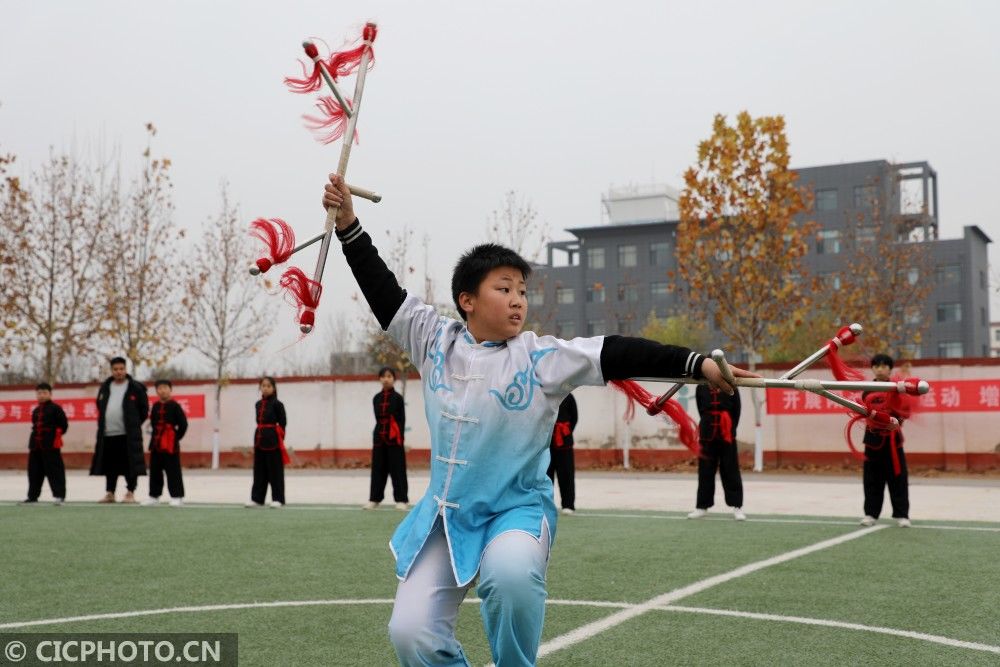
{"points": [[48, 424], [491, 394], [169, 424], [720, 414]]}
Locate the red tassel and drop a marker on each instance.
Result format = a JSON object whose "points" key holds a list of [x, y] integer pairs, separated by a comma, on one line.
{"points": [[310, 82], [841, 371], [334, 123], [687, 428], [305, 292], [278, 238], [345, 62]]}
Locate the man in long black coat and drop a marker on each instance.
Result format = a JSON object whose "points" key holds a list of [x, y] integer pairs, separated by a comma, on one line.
{"points": [[122, 407]]}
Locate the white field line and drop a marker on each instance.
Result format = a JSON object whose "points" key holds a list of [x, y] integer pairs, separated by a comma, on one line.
{"points": [[589, 630], [937, 639], [574, 603], [585, 514]]}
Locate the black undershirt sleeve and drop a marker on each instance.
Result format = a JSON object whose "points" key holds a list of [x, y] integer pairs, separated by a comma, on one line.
{"points": [[624, 357], [377, 283]]}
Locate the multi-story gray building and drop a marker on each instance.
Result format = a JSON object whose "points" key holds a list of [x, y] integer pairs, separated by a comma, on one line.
{"points": [[609, 278]]}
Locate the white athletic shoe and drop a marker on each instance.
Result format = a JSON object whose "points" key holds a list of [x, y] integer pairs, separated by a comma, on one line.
{"points": [[698, 514], [403, 507], [370, 505], [277, 504], [568, 511], [150, 501], [176, 502], [57, 501], [738, 514], [252, 504], [903, 522], [868, 521]]}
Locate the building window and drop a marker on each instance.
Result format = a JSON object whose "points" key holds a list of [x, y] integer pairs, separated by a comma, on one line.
{"points": [[595, 258], [864, 196], [948, 274], [564, 295], [830, 278], [628, 293], [826, 200], [996, 335], [659, 290], [536, 296], [595, 327], [595, 293], [949, 312], [828, 242], [659, 254], [628, 256], [866, 234], [565, 329], [982, 317], [624, 326], [950, 349], [982, 279], [909, 351]]}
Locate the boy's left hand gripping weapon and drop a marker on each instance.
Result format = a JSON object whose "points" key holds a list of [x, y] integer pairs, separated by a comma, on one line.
{"points": [[340, 120]]}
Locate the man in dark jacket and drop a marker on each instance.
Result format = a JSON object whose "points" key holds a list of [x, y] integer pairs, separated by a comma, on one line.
{"points": [[122, 407], [48, 423]]}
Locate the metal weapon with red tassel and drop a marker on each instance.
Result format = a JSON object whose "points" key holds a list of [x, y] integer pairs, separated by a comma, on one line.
{"points": [[339, 120]]}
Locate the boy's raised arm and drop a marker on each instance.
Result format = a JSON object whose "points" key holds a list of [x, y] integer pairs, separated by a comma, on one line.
{"points": [[377, 283]]}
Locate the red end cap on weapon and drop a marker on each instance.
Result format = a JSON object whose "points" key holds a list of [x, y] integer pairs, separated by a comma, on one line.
{"points": [[913, 386], [846, 336], [308, 318], [879, 418], [264, 264], [370, 32], [310, 49]]}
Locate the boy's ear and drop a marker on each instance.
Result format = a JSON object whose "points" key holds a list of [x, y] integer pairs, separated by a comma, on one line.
{"points": [[467, 302]]}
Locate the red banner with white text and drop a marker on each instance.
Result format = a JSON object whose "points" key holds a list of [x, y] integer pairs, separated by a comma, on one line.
{"points": [[944, 396], [85, 409]]}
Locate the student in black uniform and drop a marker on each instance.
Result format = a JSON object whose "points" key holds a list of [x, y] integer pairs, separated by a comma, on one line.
{"points": [[48, 423], [561, 451], [269, 454], [720, 414], [169, 424], [885, 461], [388, 453]]}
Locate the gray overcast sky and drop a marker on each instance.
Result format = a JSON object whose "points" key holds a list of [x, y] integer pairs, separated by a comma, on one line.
{"points": [[556, 100]]}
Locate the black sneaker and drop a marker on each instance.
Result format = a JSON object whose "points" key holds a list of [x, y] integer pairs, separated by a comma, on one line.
{"points": [[28, 501]]}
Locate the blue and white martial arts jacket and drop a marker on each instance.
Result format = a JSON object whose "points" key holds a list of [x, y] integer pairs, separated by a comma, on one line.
{"points": [[491, 408]]}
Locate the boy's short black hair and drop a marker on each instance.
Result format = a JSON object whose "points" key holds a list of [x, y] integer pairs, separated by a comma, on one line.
{"points": [[166, 382], [43, 385], [117, 360], [880, 359], [473, 266], [385, 369]]}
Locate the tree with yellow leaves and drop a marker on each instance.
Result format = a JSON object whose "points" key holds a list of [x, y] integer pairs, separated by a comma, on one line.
{"points": [[739, 247]]}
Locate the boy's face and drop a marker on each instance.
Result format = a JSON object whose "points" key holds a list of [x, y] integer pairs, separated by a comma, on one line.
{"points": [[498, 309], [44, 395], [164, 392], [387, 379], [118, 372], [882, 372]]}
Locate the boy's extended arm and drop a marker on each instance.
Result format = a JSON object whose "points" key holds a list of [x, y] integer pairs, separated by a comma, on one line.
{"points": [[624, 357], [377, 283]]}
